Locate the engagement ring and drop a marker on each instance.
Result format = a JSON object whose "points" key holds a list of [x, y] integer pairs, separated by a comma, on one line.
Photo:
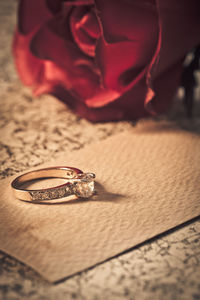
{"points": [[78, 183]]}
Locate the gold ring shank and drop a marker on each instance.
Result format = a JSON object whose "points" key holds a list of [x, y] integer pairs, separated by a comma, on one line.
{"points": [[48, 193]]}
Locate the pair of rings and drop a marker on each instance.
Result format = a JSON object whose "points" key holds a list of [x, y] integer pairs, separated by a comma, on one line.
{"points": [[77, 183]]}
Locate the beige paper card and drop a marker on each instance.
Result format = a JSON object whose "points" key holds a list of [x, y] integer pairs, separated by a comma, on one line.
{"points": [[148, 182]]}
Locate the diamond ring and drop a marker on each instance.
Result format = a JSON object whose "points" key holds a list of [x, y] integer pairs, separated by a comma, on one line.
{"points": [[78, 183]]}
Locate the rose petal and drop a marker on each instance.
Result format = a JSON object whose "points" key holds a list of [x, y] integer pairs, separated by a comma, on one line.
{"points": [[122, 64], [85, 29], [130, 34], [81, 77], [32, 14], [29, 67], [127, 107], [80, 74], [179, 32], [54, 6], [128, 20]]}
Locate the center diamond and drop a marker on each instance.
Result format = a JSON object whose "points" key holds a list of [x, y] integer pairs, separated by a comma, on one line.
{"points": [[85, 187]]}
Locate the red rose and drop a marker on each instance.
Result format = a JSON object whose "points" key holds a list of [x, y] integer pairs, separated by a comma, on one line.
{"points": [[107, 59]]}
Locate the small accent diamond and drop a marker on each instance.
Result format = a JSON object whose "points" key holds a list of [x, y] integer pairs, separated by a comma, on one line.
{"points": [[54, 194], [61, 193], [36, 195]]}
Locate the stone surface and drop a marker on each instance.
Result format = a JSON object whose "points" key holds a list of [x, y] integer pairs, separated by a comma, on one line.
{"points": [[165, 268]]}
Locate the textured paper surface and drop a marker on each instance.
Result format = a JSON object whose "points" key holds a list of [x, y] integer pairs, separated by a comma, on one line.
{"points": [[147, 182]]}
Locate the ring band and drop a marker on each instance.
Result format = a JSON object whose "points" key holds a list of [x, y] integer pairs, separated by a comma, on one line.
{"points": [[78, 183]]}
